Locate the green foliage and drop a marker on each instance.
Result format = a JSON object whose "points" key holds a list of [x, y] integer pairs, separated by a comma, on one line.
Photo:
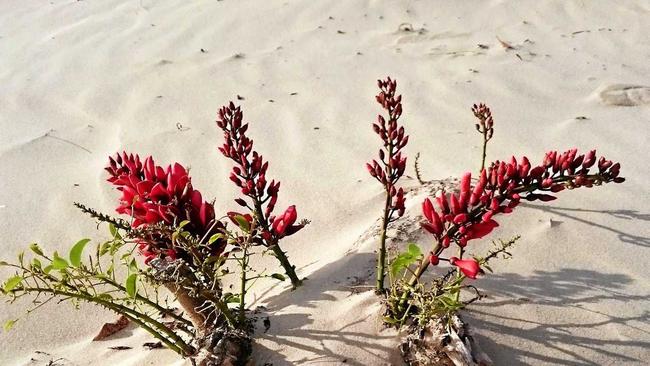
{"points": [[76, 251], [437, 298], [131, 284], [58, 262], [12, 283], [53, 276], [36, 249], [242, 223], [108, 274], [405, 259]]}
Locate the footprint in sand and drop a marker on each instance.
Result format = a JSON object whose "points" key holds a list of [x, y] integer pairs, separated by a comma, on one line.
{"points": [[625, 95]]}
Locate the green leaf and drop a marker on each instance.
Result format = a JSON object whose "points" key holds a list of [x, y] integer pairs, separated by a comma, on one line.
{"points": [[3, 263], [390, 320], [414, 250], [405, 259], [133, 266], [58, 262], [36, 263], [242, 223], [131, 284], [104, 248], [183, 223], [230, 298], [278, 276], [114, 232], [76, 251], [47, 269], [11, 283], [35, 248], [215, 237], [9, 324]]}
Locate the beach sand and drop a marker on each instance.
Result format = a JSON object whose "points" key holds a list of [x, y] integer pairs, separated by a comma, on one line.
{"points": [[80, 80]]}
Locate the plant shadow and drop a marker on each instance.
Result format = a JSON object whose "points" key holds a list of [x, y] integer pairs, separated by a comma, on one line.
{"points": [[572, 317], [623, 236], [300, 327]]}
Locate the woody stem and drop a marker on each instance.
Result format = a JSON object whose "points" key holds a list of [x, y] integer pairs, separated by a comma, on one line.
{"points": [[381, 255], [288, 268], [485, 141]]}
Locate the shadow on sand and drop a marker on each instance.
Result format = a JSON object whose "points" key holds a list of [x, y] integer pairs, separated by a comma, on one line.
{"points": [[353, 272], [562, 343], [572, 214], [595, 339]]}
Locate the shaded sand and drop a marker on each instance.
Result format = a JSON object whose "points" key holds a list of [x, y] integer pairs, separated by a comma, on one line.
{"points": [[80, 80]]}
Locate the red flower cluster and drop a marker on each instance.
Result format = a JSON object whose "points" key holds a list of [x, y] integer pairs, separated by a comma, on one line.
{"points": [[468, 214], [393, 163], [152, 194], [249, 174]]}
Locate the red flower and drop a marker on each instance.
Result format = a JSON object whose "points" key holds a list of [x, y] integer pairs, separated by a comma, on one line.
{"points": [[469, 267], [153, 195], [284, 224]]}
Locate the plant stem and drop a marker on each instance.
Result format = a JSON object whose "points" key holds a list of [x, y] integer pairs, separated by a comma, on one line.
{"points": [[275, 246], [288, 268], [381, 255], [242, 294], [485, 141], [179, 346], [162, 310], [459, 275]]}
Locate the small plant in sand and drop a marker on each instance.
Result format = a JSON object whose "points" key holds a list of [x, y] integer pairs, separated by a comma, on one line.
{"points": [[185, 247], [429, 303]]}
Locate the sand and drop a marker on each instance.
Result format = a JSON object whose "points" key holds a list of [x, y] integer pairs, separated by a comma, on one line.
{"points": [[80, 80]]}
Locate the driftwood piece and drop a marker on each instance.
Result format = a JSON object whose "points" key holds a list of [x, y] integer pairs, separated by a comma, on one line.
{"points": [[226, 347], [442, 342]]}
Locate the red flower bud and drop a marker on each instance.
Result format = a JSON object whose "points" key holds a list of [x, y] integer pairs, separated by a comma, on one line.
{"points": [[460, 219], [433, 259]]}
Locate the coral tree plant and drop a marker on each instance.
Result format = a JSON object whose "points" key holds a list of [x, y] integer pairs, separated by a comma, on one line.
{"points": [[456, 218], [391, 168], [185, 247]]}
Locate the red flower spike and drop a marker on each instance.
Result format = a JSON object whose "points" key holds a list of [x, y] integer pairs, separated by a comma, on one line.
{"points": [[250, 174], [501, 187], [394, 138]]}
